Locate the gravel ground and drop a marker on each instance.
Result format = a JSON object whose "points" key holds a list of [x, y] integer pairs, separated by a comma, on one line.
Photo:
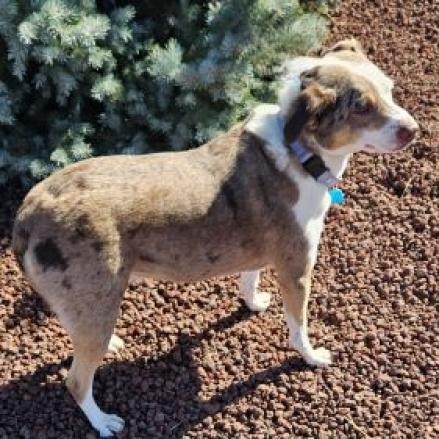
{"points": [[198, 364]]}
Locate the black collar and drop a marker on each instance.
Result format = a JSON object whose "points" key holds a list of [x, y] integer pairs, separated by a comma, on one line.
{"points": [[313, 164]]}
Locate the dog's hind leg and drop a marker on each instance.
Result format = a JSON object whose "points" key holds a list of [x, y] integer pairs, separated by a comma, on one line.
{"points": [[248, 288], [86, 303], [91, 334], [89, 350]]}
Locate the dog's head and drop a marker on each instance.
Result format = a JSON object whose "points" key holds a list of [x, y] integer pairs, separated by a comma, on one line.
{"points": [[344, 102]]}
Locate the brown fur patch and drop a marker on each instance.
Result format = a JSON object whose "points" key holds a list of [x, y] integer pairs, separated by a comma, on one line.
{"points": [[66, 283], [75, 238], [147, 258], [132, 232], [311, 101], [264, 191], [81, 183], [54, 190], [212, 257], [97, 246], [82, 229], [342, 137], [83, 225], [230, 198]]}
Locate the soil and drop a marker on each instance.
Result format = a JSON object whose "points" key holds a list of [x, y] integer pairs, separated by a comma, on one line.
{"points": [[198, 364]]}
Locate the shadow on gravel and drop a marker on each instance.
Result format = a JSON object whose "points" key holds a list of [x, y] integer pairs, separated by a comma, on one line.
{"points": [[158, 398], [29, 306]]}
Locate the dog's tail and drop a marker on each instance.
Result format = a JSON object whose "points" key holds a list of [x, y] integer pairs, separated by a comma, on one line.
{"points": [[20, 241]]}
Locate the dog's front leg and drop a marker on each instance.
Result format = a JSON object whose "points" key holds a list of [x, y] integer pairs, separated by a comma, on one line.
{"points": [[296, 286], [248, 289]]}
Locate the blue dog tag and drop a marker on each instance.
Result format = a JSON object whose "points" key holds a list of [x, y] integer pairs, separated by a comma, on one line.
{"points": [[337, 195]]}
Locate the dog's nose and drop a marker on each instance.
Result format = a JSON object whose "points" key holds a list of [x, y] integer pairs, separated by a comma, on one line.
{"points": [[406, 134]]}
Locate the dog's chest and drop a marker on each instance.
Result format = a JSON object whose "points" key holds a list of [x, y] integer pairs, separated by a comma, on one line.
{"points": [[310, 210]]}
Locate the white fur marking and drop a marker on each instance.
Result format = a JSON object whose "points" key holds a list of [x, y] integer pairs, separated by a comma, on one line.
{"points": [[107, 425], [310, 210], [384, 139], [256, 301], [115, 344], [314, 200], [264, 124], [299, 340]]}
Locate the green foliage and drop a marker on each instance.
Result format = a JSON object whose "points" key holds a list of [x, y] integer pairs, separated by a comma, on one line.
{"points": [[81, 78]]}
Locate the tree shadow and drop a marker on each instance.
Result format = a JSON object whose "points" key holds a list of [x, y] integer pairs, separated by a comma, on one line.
{"points": [[158, 397]]}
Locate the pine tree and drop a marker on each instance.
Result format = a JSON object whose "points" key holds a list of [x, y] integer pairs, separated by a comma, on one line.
{"points": [[81, 78]]}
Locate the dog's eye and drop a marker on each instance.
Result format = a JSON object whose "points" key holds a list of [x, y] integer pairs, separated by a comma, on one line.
{"points": [[362, 108]]}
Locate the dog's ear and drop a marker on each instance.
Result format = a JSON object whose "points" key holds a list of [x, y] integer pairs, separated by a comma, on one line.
{"points": [[350, 45], [312, 100]]}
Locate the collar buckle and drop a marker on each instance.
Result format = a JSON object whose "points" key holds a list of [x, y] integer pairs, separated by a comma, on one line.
{"points": [[313, 164], [328, 179]]}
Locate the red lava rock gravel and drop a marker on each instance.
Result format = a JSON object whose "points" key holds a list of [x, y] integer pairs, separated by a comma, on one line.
{"points": [[197, 364]]}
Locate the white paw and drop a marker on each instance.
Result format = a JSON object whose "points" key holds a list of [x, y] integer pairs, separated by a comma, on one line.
{"points": [[319, 357], [108, 425], [115, 344], [259, 301]]}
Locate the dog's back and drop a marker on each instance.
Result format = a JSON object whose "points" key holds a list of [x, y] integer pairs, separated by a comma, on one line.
{"points": [[143, 213]]}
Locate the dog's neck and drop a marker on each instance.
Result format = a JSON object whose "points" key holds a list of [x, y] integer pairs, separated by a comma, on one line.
{"points": [[313, 163], [266, 124], [336, 163]]}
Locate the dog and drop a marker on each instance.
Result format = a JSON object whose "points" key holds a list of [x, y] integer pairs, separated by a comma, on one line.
{"points": [[255, 196]]}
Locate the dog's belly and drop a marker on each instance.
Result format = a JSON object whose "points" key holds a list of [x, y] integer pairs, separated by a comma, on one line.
{"points": [[163, 272], [185, 259], [172, 276]]}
